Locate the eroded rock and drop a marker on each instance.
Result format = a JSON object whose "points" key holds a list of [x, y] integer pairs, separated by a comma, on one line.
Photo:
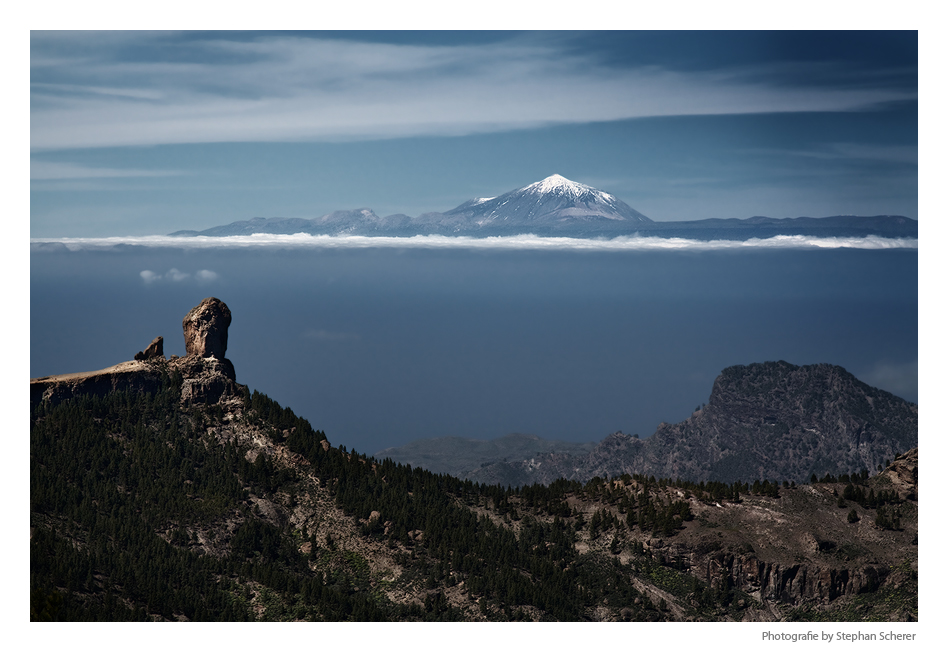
{"points": [[205, 329], [155, 350], [207, 377]]}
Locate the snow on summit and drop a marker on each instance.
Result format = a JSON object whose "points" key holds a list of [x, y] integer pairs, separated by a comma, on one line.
{"points": [[554, 202], [560, 185]]}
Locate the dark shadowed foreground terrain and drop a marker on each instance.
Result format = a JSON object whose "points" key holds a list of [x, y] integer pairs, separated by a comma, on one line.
{"points": [[163, 490]]}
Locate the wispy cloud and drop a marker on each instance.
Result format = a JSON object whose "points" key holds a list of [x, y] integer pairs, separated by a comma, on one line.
{"points": [[519, 242], [176, 276], [850, 151], [206, 275], [282, 88], [50, 170]]}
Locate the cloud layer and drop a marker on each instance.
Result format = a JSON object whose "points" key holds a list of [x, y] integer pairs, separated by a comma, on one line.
{"points": [[283, 88], [520, 242]]}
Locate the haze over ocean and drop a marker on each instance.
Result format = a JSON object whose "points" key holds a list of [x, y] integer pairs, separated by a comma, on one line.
{"points": [[380, 346]]}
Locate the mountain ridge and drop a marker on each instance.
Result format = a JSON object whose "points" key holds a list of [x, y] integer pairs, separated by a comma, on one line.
{"points": [[771, 420], [556, 206], [169, 502]]}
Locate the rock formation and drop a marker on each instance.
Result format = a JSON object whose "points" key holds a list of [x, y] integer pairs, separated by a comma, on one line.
{"points": [[136, 376], [205, 329], [770, 420], [207, 376], [154, 350]]}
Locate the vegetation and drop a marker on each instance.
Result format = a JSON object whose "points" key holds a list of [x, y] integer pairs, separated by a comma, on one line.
{"points": [[142, 510]]}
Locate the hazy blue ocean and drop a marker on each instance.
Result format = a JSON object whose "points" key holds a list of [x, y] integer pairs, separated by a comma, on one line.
{"points": [[381, 346]]}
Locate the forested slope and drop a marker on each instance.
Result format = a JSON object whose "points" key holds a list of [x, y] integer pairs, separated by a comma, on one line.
{"points": [[145, 507]]}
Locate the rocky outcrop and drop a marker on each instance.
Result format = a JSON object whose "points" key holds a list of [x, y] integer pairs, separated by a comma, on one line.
{"points": [[154, 350], [207, 376], [205, 329], [901, 476], [775, 420], [207, 380], [135, 376], [763, 421], [791, 584]]}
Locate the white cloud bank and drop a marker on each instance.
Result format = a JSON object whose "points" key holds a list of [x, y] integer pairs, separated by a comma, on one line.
{"points": [[518, 242], [287, 88]]}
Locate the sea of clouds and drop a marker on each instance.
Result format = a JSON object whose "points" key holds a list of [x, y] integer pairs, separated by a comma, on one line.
{"points": [[517, 242]]}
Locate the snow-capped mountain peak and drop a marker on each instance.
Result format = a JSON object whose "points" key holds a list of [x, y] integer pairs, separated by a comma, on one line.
{"points": [[556, 184], [552, 203]]}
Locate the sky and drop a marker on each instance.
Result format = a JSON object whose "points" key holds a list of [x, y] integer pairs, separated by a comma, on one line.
{"points": [[144, 133]]}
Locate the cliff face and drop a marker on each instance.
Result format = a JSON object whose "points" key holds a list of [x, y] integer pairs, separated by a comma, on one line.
{"points": [[208, 377], [133, 375], [777, 420]]}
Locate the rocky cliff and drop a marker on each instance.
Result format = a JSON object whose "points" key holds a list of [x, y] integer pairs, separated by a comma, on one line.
{"points": [[770, 420], [208, 377]]}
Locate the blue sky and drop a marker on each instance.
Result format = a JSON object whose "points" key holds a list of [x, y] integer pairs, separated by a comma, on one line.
{"points": [[136, 133]]}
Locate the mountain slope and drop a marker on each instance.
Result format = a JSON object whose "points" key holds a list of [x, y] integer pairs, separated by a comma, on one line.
{"points": [[457, 455], [555, 203], [556, 206], [169, 500], [770, 420]]}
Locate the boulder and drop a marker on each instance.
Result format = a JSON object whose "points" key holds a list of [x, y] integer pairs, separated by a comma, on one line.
{"points": [[155, 350], [205, 329]]}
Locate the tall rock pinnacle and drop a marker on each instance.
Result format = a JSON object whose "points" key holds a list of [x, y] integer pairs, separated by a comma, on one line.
{"points": [[205, 329]]}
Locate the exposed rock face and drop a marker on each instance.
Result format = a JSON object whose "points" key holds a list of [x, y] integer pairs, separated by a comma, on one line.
{"points": [[207, 376], [791, 583], [127, 376], [902, 475], [779, 421], [155, 350], [206, 380], [205, 329], [764, 421]]}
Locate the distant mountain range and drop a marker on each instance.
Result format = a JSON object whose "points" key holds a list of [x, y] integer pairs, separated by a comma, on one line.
{"points": [[771, 420], [557, 206]]}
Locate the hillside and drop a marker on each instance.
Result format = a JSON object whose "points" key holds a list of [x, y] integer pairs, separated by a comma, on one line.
{"points": [[166, 502], [458, 455], [763, 421]]}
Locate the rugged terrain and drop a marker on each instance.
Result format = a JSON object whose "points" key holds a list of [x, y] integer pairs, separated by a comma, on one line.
{"points": [[459, 456], [165, 499], [771, 420]]}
